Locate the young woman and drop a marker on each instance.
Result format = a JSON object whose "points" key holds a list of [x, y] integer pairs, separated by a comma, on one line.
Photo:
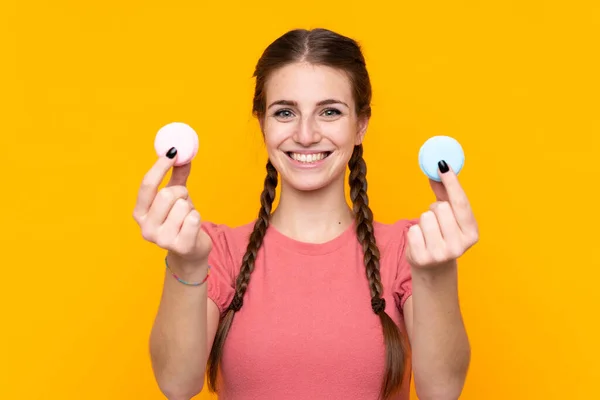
{"points": [[315, 299]]}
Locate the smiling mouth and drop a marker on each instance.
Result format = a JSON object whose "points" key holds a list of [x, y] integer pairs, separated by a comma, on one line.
{"points": [[308, 158]]}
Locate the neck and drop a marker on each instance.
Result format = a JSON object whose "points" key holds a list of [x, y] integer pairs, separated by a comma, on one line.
{"points": [[314, 217]]}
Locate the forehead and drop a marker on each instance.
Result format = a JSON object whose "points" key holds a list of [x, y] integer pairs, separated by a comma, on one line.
{"points": [[309, 83]]}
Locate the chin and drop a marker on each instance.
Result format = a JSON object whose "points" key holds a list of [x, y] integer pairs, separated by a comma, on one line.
{"points": [[309, 178], [308, 182], [305, 186]]}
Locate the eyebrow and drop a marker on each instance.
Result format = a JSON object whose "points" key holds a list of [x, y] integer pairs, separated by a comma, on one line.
{"points": [[295, 104]]}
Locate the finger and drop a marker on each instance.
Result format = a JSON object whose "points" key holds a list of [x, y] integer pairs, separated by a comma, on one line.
{"points": [[432, 235], [172, 224], [457, 199], [446, 221], [163, 202], [188, 234], [180, 175], [417, 251], [441, 194], [150, 184]]}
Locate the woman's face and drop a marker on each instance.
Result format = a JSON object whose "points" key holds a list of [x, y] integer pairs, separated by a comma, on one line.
{"points": [[310, 124]]}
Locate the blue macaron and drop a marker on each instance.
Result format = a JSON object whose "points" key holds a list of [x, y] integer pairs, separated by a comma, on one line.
{"points": [[439, 148]]}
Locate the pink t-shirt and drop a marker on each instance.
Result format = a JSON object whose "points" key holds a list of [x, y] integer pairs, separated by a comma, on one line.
{"points": [[306, 329]]}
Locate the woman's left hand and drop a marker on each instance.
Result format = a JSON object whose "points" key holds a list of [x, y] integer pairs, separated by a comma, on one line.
{"points": [[447, 230]]}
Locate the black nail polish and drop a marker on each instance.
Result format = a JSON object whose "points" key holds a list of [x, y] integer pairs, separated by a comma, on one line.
{"points": [[443, 167], [172, 152]]}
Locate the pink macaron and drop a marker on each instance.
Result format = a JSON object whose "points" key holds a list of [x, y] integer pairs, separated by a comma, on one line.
{"points": [[178, 135]]}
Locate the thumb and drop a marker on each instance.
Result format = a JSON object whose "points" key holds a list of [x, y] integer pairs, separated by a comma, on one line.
{"points": [[180, 174], [439, 190]]}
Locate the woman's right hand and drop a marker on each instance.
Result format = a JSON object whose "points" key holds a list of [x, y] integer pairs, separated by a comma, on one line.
{"points": [[167, 217]]}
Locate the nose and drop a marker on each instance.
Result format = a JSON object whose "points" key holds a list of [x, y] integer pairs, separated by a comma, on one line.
{"points": [[307, 132]]}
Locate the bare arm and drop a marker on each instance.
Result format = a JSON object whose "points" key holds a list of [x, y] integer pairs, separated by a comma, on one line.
{"points": [[441, 351], [440, 347], [182, 335], [186, 322]]}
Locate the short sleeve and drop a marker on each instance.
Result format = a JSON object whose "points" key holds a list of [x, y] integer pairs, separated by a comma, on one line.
{"points": [[221, 282], [402, 287]]}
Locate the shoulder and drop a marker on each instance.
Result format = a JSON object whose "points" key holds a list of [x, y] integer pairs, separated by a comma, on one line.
{"points": [[392, 230], [232, 231], [392, 234], [231, 237]]}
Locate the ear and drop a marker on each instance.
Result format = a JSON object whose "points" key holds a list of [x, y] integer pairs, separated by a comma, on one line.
{"points": [[363, 123]]}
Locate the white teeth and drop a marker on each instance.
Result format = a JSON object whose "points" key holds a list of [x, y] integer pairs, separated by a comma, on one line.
{"points": [[308, 158]]}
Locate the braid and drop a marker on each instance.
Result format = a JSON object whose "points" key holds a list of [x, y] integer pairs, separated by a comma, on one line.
{"points": [[394, 343], [256, 237], [254, 243]]}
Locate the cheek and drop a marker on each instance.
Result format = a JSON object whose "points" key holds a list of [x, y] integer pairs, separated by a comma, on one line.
{"points": [[342, 134], [277, 133]]}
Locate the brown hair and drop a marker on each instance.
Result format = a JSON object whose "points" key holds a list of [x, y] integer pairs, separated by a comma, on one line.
{"points": [[320, 47]]}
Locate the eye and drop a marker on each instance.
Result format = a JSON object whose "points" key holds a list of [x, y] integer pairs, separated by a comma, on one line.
{"points": [[284, 113], [331, 112]]}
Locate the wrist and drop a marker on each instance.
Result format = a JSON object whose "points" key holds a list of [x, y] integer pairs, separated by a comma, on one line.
{"points": [[435, 275], [190, 270]]}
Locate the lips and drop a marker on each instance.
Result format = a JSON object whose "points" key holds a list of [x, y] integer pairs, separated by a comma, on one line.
{"points": [[308, 158]]}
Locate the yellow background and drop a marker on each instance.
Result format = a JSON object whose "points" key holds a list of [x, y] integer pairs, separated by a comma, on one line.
{"points": [[84, 87]]}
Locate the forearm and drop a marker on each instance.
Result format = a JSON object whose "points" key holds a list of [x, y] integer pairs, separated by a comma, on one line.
{"points": [[440, 347], [178, 342]]}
